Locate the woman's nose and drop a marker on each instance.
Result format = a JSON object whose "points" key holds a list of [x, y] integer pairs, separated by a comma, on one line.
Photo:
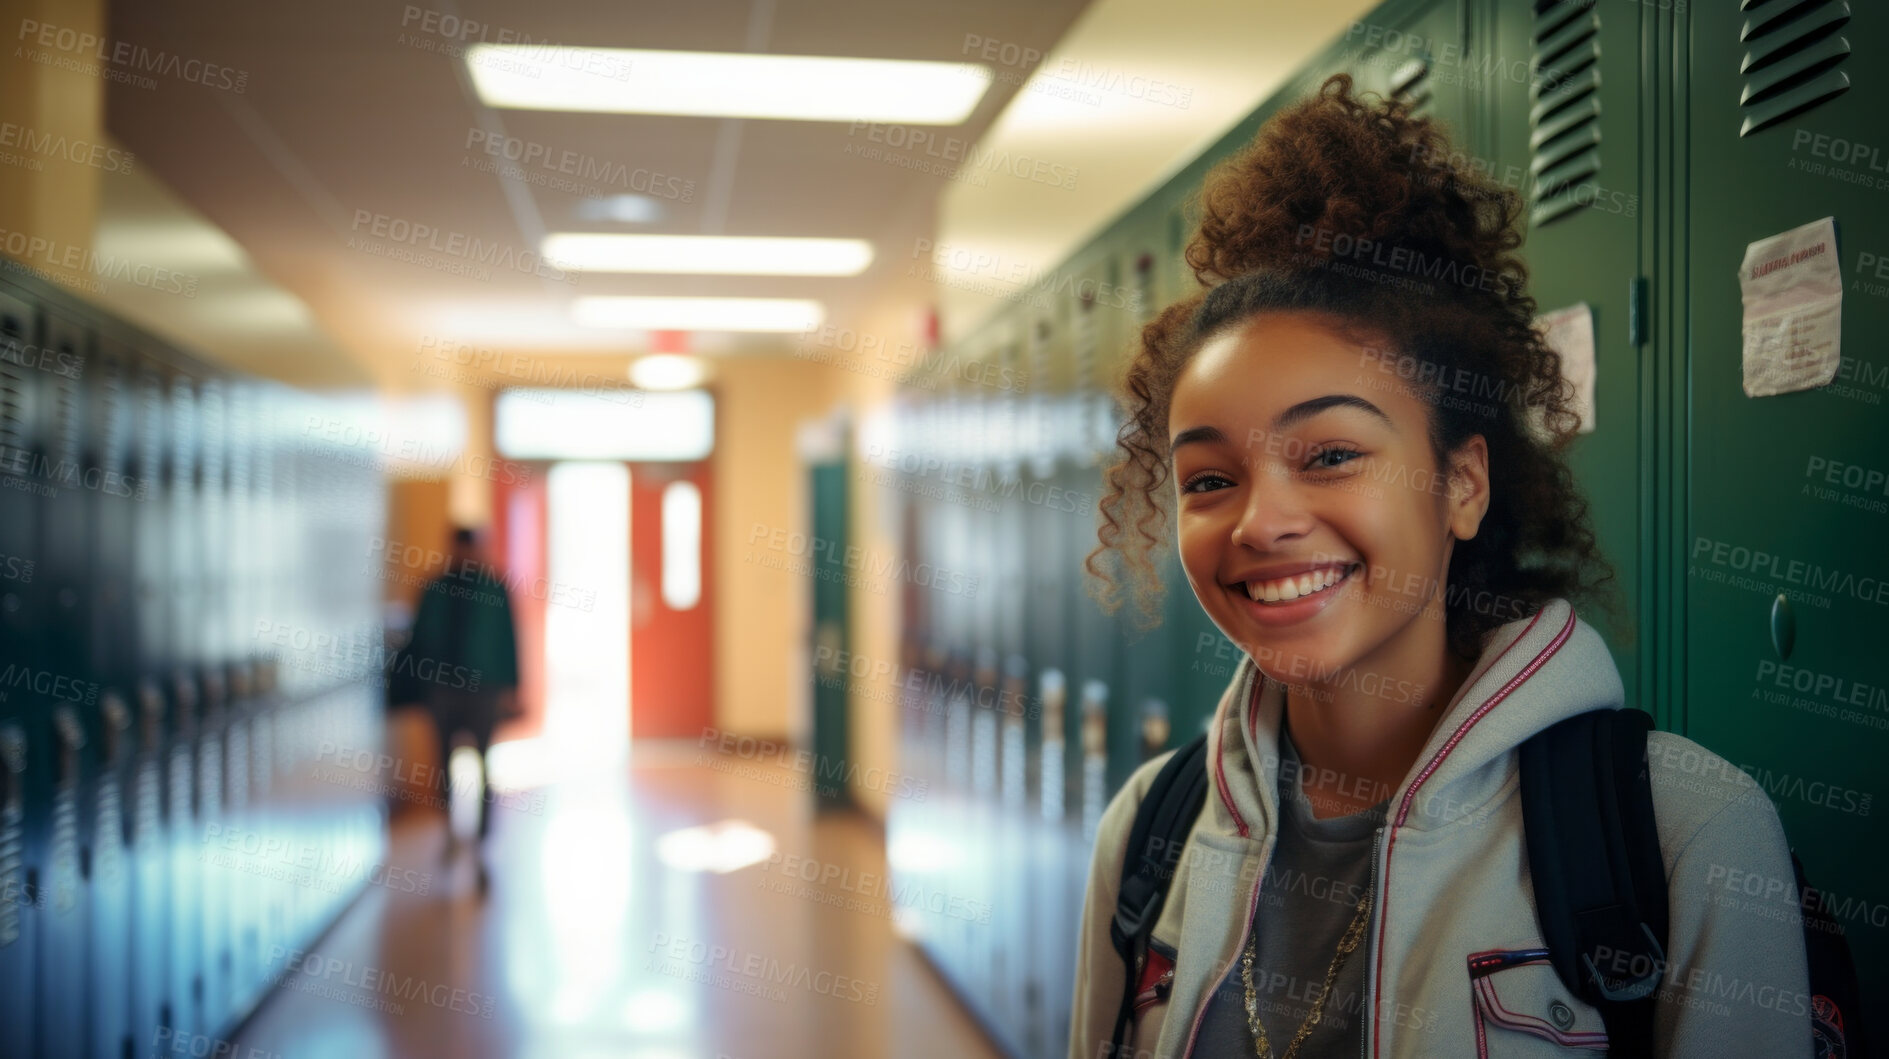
{"points": [[1274, 511]]}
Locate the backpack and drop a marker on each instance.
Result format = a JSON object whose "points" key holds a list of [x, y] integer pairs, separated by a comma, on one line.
{"points": [[1593, 851]]}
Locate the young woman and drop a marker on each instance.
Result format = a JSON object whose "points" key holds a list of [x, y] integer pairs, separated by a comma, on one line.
{"points": [[1361, 430]]}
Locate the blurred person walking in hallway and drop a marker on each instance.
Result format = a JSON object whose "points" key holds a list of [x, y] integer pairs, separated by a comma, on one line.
{"points": [[464, 650]]}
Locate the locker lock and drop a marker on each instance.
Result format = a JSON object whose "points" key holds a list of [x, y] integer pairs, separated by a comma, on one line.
{"points": [[1016, 694], [184, 689], [65, 724], [1054, 688], [1094, 719], [150, 716], [117, 721], [1155, 727]]}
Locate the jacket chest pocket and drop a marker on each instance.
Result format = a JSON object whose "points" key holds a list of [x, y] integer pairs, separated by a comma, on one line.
{"points": [[1523, 1009]]}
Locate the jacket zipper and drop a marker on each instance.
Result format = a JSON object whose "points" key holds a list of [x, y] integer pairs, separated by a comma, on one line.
{"points": [[1367, 1009], [1252, 913]]}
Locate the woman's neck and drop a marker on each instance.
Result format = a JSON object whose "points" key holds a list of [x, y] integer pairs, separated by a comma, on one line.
{"points": [[1356, 746]]}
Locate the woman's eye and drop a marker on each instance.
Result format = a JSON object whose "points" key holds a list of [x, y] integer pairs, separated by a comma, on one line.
{"points": [[1331, 458], [1193, 485]]}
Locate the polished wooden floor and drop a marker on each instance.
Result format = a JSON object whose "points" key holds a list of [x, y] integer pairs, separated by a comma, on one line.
{"points": [[587, 944]]}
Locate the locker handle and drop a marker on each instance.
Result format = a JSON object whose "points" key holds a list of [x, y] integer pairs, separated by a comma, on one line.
{"points": [[117, 721], [13, 763], [151, 716], [71, 734], [1783, 627], [185, 690]]}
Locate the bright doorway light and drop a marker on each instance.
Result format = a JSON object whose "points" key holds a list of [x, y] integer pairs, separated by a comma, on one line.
{"points": [[725, 255], [668, 371], [554, 424], [785, 315], [587, 664], [725, 84]]}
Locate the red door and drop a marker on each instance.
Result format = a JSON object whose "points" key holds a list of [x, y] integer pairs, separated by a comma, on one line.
{"points": [[672, 663]]}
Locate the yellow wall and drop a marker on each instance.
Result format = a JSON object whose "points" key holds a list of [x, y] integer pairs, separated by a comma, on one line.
{"points": [[876, 624], [761, 615], [50, 199]]}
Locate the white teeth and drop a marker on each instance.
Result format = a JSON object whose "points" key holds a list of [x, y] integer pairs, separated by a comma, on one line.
{"points": [[1290, 588]]}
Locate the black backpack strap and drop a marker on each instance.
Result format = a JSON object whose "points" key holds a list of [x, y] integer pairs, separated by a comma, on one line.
{"points": [[1162, 821], [1836, 1000], [1593, 850]]}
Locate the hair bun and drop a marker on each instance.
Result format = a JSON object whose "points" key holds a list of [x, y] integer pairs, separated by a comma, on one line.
{"points": [[1336, 178]]}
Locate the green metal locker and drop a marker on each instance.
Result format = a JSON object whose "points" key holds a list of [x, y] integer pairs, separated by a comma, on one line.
{"points": [[832, 642], [1772, 495], [1567, 138]]}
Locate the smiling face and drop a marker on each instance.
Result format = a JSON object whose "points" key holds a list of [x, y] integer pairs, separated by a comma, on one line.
{"points": [[1305, 477]]}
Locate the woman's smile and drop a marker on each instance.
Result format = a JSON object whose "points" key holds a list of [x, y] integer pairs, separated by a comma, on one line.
{"points": [[1288, 600]]}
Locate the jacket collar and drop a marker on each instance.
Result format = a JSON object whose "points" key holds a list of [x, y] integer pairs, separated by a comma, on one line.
{"points": [[1532, 673]]}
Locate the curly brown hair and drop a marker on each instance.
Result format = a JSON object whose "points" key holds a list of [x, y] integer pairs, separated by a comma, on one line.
{"points": [[1350, 207]]}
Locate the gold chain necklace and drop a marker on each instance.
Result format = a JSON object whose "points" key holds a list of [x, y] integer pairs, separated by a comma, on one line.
{"points": [[1349, 941]]}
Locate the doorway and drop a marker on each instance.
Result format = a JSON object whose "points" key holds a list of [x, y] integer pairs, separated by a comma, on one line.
{"points": [[587, 646]]}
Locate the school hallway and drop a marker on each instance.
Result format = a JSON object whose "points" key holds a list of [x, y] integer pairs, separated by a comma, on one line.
{"points": [[590, 943], [746, 424]]}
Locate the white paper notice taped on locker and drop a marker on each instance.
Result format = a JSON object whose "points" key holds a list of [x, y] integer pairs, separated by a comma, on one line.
{"points": [[1793, 291], [1570, 332]]}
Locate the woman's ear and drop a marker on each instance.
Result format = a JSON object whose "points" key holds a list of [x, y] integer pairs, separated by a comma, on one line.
{"points": [[1468, 487]]}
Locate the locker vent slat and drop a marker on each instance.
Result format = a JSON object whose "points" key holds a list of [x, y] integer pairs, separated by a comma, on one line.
{"points": [[1564, 111], [1793, 59], [65, 456], [13, 396], [239, 437], [150, 429], [183, 433], [114, 418], [210, 426]]}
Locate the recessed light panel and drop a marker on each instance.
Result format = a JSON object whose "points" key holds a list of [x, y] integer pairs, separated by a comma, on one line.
{"points": [[708, 254], [725, 84]]}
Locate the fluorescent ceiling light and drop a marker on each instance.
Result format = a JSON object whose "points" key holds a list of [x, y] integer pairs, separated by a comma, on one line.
{"points": [[726, 85], [733, 255], [699, 314]]}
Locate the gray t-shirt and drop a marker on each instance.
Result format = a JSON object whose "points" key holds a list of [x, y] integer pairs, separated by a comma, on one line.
{"points": [[1320, 870]]}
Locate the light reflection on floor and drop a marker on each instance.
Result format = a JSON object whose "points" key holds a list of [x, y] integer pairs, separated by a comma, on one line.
{"points": [[586, 943]]}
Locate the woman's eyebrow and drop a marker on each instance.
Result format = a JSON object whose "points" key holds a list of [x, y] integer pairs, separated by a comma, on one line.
{"points": [[1298, 413], [1307, 409], [1195, 434]]}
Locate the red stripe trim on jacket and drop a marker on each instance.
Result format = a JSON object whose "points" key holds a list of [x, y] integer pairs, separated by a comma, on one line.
{"points": [[1219, 768], [1403, 811]]}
